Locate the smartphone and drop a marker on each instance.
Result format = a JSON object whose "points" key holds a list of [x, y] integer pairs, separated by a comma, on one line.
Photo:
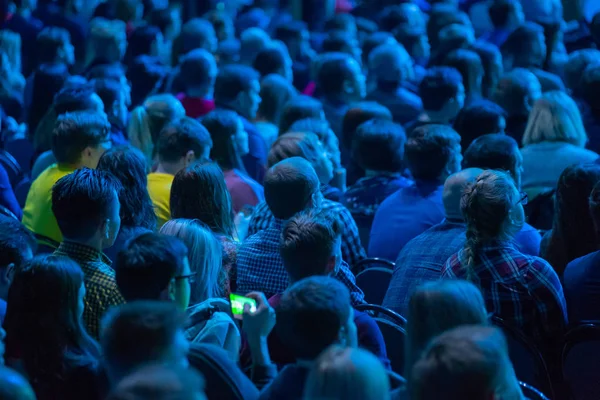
{"points": [[237, 305]]}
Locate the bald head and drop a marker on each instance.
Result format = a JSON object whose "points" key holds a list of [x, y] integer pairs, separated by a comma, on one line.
{"points": [[13, 386], [453, 189]]}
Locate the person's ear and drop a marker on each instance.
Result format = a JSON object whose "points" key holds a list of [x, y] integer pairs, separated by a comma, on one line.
{"points": [[343, 336], [106, 229], [331, 265], [8, 274], [348, 87], [189, 157]]}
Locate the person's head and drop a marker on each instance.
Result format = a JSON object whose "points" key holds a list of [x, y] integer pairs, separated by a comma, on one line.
{"points": [[148, 120], [313, 314], [275, 93], [415, 42], [274, 59], [113, 99], [340, 78], [327, 137], [198, 33], [128, 165], [48, 79], [378, 145], [574, 69], [347, 373], [469, 65], [453, 189], [229, 138], [53, 45], [144, 40], [436, 307], [181, 143], [153, 266], [442, 92], [590, 84], [525, 47], [222, 24], [495, 151], [555, 117], [199, 192], [198, 72], [311, 245], [452, 37], [297, 108], [342, 22], [295, 35], [305, 145], [373, 41], [479, 118], [358, 114], [13, 386], [440, 17], [390, 65], [238, 87], [252, 41], [401, 15], [146, 75], [517, 91], [205, 257], [493, 68], [573, 231], [432, 153], [80, 138], [291, 185], [107, 41], [168, 20], [129, 11], [141, 332], [342, 42], [17, 246], [506, 14], [468, 362], [47, 295]]}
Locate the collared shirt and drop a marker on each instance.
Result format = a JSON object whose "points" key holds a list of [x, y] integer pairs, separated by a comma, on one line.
{"points": [[523, 290], [365, 196], [260, 267], [99, 279], [352, 250]]}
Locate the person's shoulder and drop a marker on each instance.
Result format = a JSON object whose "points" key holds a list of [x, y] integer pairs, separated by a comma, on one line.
{"points": [[582, 263]]}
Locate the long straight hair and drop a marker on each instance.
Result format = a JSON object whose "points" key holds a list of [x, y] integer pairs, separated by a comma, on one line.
{"points": [[222, 126]]}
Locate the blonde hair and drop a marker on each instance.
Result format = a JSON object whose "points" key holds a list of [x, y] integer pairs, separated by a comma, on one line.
{"points": [[205, 256], [147, 121], [347, 373], [105, 39], [10, 43], [555, 118]]}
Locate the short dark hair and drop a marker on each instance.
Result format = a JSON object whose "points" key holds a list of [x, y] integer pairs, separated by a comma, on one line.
{"points": [[479, 118], [48, 42], [310, 315], [469, 65], [300, 107], [75, 131], [341, 22], [74, 98], [140, 42], [269, 60], [307, 243], [373, 41], [428, 150], [439, 86], [442, 15], [197, 33], [378, 145], [109, 91], [197, 68], [393, 16], [275, 93], [147, 264], [181, 136], [81, 201], [520, 40], [232, 80], [139, 332], [294, 144], [359, 114], [222, 125], [333, 72], [15, 241], [289, 186], [493, 151], [500, 11]]}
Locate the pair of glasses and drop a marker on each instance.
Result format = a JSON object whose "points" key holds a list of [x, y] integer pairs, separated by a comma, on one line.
{"points": [[524, 199], [188, 277]]}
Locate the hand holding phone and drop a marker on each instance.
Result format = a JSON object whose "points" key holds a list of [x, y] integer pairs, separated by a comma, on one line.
{"points": [[238, 305], [260, 322]]}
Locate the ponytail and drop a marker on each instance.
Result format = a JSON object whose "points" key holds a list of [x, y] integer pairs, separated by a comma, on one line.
{"points": [[139, 132]]}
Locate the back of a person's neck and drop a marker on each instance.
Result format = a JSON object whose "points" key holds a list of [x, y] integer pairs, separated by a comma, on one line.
{"points": [[166, 168], [436, 117], [92, 243], [199, 93]]}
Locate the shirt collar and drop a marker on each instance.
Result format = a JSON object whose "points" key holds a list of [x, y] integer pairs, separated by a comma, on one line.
{"points": [[82, 253]]}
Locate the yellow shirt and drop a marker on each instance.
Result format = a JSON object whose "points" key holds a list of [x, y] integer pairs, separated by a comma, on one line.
{"points": [[37, 214], [159, 189]]}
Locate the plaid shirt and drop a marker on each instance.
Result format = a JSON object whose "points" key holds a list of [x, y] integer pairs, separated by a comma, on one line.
{"points": [[523, 290], [352, 250], [261, 269], [99, 279]]}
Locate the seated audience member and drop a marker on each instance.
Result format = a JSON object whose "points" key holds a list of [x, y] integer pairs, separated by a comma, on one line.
{"points": [[506, 16], [169, 21], [573, 233], [274, 59], [469, 65], [128, 166], [554, 132], [432, 153], [145, 40], [501, 152], [14, 386], [53, 45], [146, 75], [575, 68], [493, 69], [443, 96], [340, 82], [415, 41], [197, 33], [86, 206], [17, 246], [298, 108], [468, 362], [47, 295], [237, 88], [79, 140], [528, 295], [391, 67], [180, 144], [294, 34], [352, 374], [114, 100], [590, 84], [209, 312], [148, 120], [106, 43], [230, 144], [142, 332], [114, 72], [252, 41], [516, 93], [313, 314], [197, 75], [370, 43], [47, 80], [291, 186], [275, 93], [405, 14], [526, 48], [28, 27], [479, 118], [341, 42]]}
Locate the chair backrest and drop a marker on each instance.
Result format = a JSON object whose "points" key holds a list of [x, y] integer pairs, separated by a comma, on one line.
{"points": [[22, 150], [373, 262], [12, 167], [22, 190], [531, 393], [581, 361], [527, 360], [363, 223], [379, 311], [374, 283]]}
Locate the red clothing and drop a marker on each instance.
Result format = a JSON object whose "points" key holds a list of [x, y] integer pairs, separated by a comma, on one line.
{"points": [[195, 107], [244, 191]]}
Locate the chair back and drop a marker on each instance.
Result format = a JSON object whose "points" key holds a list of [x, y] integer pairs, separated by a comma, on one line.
{"points": [[531, 393], [22, 151], [374, 283], [373, 262], [581, 361], [12, 167], [22, 190], [363, 223]]}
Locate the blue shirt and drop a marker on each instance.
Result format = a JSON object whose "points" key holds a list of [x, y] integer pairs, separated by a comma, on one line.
{"points": [[260, 267], [365, 196], [581, 281], [403, 216]]}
